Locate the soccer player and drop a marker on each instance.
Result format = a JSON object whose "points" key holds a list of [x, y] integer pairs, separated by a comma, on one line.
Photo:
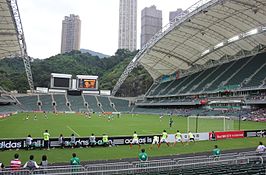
{"points": [[161, 116], [45, 115], [213, 136], [35, 117], [164, 139], [74, 160], [72, 141], [135, 140], [143, 156], [105, 140], [27, 118], [216, 152], [171, 122], [155, 141], [92, 140], [1, 166], [46, 138], [178, 137], [29, 142], [61, 141], [191, 137], [15, 164]]}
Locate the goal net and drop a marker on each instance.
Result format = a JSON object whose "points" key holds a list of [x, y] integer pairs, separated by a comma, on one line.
{"points": [[209, 123]]}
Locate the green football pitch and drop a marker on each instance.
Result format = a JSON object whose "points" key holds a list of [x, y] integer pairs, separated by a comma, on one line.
{"points": [[18, 126]]}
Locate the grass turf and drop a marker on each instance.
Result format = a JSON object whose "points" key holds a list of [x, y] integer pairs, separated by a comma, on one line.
{"points": [[18, 127]]}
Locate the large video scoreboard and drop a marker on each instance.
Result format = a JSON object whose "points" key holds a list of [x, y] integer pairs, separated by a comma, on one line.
{"points": [[61, 81], [81, 82], [87, 82]]}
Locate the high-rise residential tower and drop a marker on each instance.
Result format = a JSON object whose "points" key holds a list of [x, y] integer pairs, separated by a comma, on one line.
{"points": [[71, 27], [178, 12], [128, 25], [151, 23]]}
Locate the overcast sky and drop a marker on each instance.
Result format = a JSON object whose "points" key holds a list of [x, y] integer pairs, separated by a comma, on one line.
{"points": [[42, 22]]}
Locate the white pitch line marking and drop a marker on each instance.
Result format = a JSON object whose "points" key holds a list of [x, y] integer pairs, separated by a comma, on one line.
{"points": [[73, 130]]}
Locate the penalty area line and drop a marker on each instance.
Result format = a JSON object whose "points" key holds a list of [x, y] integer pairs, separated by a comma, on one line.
{"points": [[73, 130]]}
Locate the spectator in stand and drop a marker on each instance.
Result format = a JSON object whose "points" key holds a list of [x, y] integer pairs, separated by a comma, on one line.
{"points": [[61, 141], [92, 140], [29, 142], [73, 141], [44, 162], [143, 156], [74, 160], [261, 148], [31, 164], [15, 164], [46, 138], [216, 152]]}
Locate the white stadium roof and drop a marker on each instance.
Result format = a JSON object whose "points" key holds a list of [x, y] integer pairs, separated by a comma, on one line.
{"points": [[9, 42], [209, 30]]}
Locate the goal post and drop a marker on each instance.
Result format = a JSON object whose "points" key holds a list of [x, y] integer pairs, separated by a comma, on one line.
{"points": [[209, 123]]}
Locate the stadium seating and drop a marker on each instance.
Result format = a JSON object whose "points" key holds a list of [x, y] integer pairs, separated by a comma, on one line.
{"points": [[217, 71], [10, 108], [197, 80], [257, 78], [184, 83], [46, 102], [158, 88], [233, 66], [93, 104], [172, 86], [60, 102], [6, 99], [121, 105], [76, 102], [106, 105], [245, 72], [29, 103]]}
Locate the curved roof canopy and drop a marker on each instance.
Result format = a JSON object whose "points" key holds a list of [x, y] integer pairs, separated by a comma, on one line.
{"points": [[209, 30], [9, 42]]}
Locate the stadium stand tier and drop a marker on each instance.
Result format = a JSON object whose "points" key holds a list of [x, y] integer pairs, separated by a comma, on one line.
{"points": [[47, 102], [93, 104], [29, 103], [245, 72], [76, 102], [106, 105], [60, 102], [121, 105]]}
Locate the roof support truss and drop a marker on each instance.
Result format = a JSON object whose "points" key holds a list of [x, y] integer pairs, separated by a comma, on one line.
{"points": [[13, 7]]}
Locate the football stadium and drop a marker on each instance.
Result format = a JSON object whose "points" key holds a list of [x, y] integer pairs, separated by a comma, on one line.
{"points": [[205, 112]]}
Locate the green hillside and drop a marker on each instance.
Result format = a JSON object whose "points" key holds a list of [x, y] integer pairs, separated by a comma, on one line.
{"points": [[13, 77]]}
